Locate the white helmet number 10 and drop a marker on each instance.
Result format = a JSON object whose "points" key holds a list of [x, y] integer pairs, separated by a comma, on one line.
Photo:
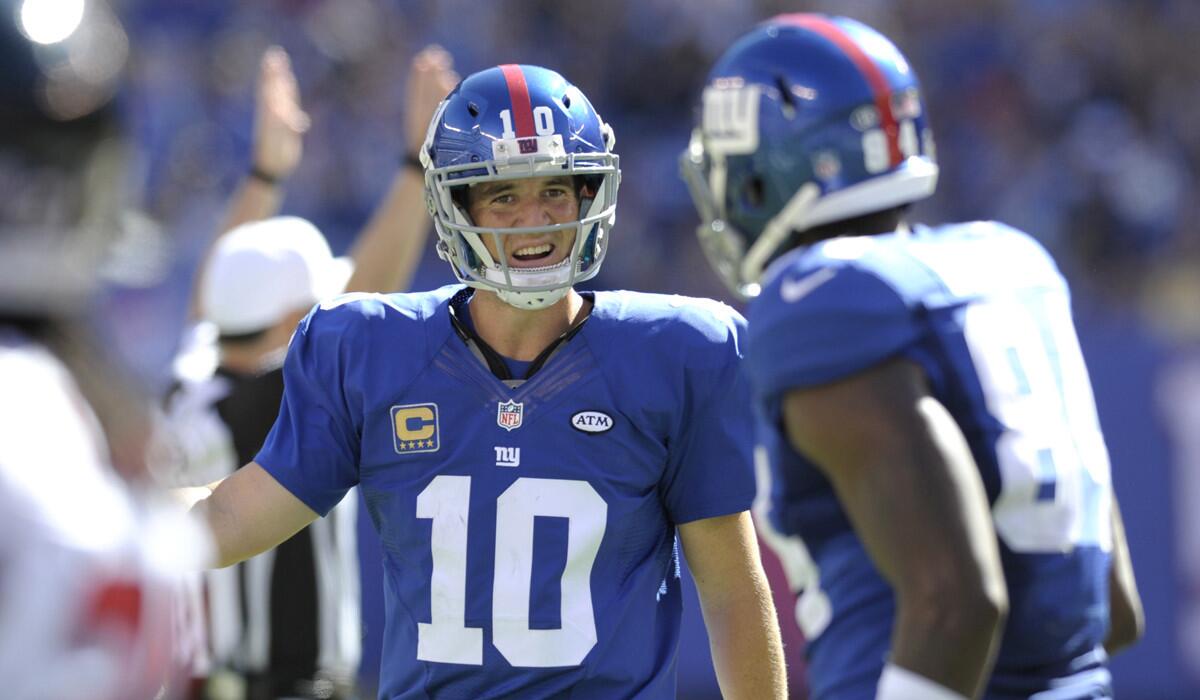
{"points": [[543, 122]]}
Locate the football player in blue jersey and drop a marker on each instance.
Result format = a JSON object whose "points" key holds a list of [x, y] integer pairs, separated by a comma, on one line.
{"points": [[527, 452], [931, 461]]}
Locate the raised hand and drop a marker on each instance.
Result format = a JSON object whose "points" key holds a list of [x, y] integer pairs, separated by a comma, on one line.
{"points": [[279, 120], [430, 78]]}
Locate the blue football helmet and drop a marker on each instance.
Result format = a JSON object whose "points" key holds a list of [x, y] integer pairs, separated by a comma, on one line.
{"points": [[806, 120], [519, 121]]}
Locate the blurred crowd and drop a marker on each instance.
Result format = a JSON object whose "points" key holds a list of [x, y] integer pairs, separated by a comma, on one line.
{"points": [[1068, 118]]}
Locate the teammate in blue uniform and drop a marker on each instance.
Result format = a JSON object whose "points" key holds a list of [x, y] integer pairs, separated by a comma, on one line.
{"points": [[932, 461], [526, 452]]}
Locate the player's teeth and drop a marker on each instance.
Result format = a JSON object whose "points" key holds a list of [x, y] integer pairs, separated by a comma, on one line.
{"points": [[533, 250]]}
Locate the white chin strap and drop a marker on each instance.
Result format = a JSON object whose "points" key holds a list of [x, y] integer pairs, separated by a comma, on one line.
{"points": [[541, 277], [776, 232], [531, 300]]}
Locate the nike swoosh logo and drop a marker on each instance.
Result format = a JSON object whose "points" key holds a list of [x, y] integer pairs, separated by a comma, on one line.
{"points": [[795, 290]]}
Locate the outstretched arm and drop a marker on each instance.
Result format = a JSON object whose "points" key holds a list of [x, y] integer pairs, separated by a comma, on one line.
{"points": [[247, 512], [722, 554], [387, 251], [905, 477], [279, 126]]}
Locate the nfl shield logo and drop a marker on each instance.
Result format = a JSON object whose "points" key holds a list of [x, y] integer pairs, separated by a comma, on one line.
{"points": [[508, 415]]}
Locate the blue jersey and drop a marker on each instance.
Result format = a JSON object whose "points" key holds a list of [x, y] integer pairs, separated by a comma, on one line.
{"points": [[528, 531], [984, 311]]}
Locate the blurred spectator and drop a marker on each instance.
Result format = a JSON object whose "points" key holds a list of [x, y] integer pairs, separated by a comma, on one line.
{"points": [[90, 560]]}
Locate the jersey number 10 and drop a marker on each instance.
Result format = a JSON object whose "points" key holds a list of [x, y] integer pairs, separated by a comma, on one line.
{"points": [[446, 638]]}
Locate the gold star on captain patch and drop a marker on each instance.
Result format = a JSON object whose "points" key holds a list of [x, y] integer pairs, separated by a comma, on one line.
{"points": [[429, 443]]}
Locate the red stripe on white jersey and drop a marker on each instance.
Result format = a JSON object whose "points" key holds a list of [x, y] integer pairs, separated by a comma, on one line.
{"points": [[518, 92]]}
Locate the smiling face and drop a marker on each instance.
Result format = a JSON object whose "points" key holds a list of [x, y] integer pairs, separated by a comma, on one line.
{"points": [[523, 203]]}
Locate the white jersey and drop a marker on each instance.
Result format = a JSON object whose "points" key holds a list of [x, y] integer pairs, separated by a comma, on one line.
{"points": [[87, 571]]}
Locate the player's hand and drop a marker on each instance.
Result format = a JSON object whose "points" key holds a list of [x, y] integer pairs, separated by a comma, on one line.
{"points": [[279, 120], [430, 78]]}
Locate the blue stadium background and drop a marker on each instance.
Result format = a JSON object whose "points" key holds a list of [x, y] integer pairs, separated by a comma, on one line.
{"points": [[1077, 120]]}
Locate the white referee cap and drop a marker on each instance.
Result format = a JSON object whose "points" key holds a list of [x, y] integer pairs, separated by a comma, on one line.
{"points": [[262, 271]]}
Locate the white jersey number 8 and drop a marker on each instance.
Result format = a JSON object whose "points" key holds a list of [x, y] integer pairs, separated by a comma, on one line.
{"points": [[1054, 472]]}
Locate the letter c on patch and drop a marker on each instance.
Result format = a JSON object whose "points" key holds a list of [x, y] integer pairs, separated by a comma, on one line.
{"points": [[415, 423]]}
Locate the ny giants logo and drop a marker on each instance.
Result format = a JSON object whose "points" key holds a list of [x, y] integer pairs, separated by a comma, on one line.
{"points": [[508, 456], [527, 146]]}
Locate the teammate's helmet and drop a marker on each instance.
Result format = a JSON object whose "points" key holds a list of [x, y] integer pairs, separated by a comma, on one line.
{"points": [[806, 120], [517, 121], [58, 164]]}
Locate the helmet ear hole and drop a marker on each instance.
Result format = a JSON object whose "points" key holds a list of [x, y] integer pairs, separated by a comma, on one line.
{"points": [[473, 109], [754, 192]]}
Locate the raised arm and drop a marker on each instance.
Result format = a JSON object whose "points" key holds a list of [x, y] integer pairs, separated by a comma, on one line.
{"points": [[743, 631], [905, 476], [279, 126], [389, 248]]}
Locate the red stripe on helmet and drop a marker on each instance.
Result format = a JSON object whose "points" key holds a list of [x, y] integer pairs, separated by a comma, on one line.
{"points": [[874, 76], [518, 92]]}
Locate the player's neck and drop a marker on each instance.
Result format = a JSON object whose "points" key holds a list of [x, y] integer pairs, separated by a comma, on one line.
{"points": [[522, 334]]}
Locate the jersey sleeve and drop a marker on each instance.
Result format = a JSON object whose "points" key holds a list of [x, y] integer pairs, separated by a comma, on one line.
{"points": [[312, 449], [822, 325], [710, 471]]}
